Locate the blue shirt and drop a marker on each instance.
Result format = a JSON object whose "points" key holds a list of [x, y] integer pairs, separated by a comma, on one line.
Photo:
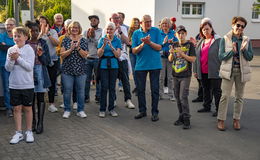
{"points": [[165, 47], [116, 43], [147, 58], [8, 41]]}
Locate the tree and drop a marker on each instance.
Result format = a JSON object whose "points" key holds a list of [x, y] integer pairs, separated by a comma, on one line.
{"points": [[10, 10]]}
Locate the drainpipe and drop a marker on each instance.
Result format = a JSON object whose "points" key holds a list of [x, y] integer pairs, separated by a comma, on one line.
{"points": [[238, 7]]}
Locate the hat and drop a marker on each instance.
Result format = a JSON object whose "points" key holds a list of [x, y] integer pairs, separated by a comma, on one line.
{"points": [[173, 19], [204, 20], [93, 16], [180, 28]]}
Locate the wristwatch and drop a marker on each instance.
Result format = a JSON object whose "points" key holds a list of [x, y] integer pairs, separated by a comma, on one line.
{"points": [[48, 34], [120, 32]]}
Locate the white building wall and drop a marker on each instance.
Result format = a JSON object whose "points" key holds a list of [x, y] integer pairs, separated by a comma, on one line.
{"points": [[81, 9], [220, 11]]}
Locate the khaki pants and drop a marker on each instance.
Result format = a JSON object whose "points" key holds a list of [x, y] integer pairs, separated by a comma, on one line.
{"points": [[226, 91]]}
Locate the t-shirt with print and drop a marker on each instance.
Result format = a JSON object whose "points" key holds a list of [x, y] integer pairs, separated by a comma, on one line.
{"points": [[181, 67], [74, 64], [116, 43]]}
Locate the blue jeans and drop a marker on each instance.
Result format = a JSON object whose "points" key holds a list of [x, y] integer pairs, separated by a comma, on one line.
{"points": [[133, 62], [91, 65], [108, 83], [154, 85], [68, 81], [5, 81]]}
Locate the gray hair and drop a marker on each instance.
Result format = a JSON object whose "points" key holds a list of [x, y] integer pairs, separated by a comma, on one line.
{"points": [[57, 14], [111, 24], [167, 20], [67, 22], [10, 19]]}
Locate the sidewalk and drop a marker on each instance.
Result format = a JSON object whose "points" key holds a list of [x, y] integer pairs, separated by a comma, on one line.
{"points": [[124, 137]]}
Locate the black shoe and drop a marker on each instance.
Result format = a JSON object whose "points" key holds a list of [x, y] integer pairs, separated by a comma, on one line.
{"points": [[197, 100], [215, 114], [134, 90], [179, 122], [97, 100], [203, 110], [140, 115], [155, 117], [186, 123], [9, 113]]}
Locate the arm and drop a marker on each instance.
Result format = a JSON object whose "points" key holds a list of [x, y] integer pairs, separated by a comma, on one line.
{"points": [[83, 53], [45, 58], [9, 64], [54, 38], [222, 54], [248, 53], [137, 49], [64, 53], [155, 46]]}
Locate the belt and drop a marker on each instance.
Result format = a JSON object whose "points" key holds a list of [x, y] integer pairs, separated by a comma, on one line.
{"points": [[91, 58]]}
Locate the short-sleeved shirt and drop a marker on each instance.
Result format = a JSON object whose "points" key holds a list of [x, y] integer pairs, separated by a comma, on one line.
{"points": [[74, 64], [52, 48], [147, 58], [179, 62], [8, 41], [165, 47], [116, 43]]}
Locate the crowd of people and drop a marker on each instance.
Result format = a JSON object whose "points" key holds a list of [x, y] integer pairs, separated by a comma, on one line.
{"points": [[32, 57]]}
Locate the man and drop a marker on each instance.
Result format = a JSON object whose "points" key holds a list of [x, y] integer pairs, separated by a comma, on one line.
{"points": [[6, 41], [173, 21], [93, 35], [121, 32], [58, 24], [146, 44], [121, 20]]}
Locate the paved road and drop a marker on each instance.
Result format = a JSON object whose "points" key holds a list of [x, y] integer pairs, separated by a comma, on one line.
{"points": [[124, 137]]}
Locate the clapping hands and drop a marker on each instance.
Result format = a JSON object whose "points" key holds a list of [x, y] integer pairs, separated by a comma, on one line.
{"points": [[14, 55], [146, 40]]}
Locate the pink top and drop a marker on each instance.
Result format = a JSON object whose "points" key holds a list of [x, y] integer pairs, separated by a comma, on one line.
{"points": [[204, 57]]}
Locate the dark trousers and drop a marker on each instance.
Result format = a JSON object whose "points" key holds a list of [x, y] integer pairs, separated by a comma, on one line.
{"points": [[123, 76], [181, 92], [200, 89], [154, 76], [211, 87], [108, 83], [53, 77]]}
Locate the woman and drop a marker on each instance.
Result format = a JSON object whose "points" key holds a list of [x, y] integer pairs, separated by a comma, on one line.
{"points": [[109, 49], [51, 37], [207, 65], [182, 54], [168, 38], [74, 50], [235, 53], [40, 72], [135, 24]]}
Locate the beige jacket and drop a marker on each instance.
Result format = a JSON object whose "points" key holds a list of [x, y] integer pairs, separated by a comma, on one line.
{"points": [[226, 65]]}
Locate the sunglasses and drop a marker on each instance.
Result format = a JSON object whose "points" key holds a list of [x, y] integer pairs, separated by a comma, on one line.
{"points": [[240, 25]]}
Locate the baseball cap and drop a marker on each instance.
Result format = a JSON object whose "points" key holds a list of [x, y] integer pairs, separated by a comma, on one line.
{"points": [[93, 16], [173, 19], [181, 28]]}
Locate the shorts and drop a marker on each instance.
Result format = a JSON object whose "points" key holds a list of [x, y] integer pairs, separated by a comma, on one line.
{"points": [[21, 97]]}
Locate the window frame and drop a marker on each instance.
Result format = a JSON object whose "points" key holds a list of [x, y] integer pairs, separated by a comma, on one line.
{"points": [[191, 7], [253, 10]]}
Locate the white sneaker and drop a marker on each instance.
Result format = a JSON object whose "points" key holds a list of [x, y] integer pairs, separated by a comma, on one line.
{"points": [[62, 105], [66, 114], [120, 89], [75, 106], [102, 114], [165, 90], [52, 108], [113, 113], [16, 138], [82, 114], [29, 137], [129, 104], [172, 98]]}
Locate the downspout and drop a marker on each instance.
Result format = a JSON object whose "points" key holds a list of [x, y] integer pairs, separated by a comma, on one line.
{"points": [[238, 8]]}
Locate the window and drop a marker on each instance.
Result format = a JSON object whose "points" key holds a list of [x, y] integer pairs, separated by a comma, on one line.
{"points": [[256, 12], [192, 10]]}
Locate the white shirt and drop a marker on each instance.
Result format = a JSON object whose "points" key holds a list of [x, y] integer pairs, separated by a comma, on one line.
{"points": [[21, 70]]}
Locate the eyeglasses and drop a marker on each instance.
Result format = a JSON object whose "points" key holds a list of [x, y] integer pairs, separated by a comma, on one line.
{"points": [[240, 25], [147, 21], [9, 24]]}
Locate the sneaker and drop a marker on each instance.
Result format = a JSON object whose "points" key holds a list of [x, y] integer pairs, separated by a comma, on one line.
{"points": [[9, 113], [66, 114], [113, 113], [75, 106], [62, 105], [129, 104], [82, 114], [52, 108], [163, 97], [120, 89], [165, 90], [16, 138], [102, 114], [172, 98], [29, 137]]}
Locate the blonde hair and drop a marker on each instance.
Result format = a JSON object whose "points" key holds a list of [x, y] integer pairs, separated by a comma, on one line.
{"points": [[72, 24], [21, 30], [132, 27], [166, 20], [10, 19]]}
